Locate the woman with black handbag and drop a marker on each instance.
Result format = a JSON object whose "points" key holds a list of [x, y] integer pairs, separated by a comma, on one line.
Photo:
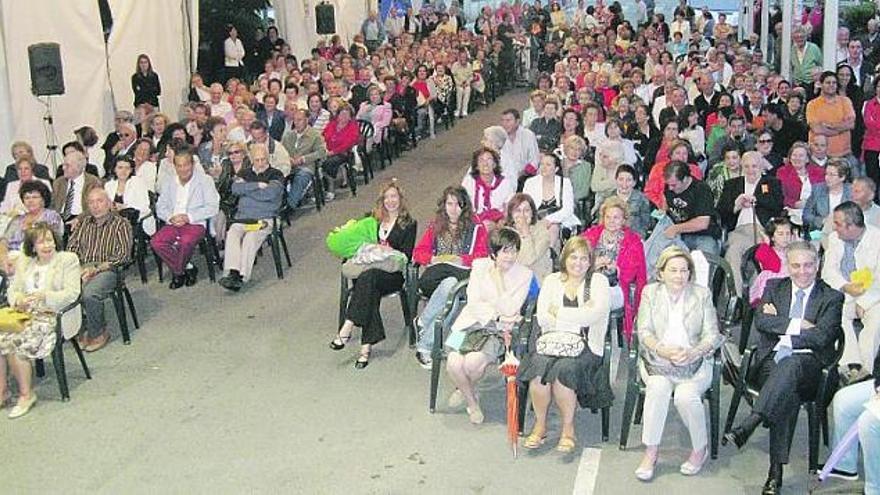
{"points": [[678, 332], [566, 364]]}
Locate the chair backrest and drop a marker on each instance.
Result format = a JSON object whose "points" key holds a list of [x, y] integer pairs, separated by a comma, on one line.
{"points": [[366, 128], [750, 267], [723, 289]]}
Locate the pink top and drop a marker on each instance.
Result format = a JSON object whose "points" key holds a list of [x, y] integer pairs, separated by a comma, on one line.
{"points": [[791, 183], [872, 125], [631, 270], [341, 140]]}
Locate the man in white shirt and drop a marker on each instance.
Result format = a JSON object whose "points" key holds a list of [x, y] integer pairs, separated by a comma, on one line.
{"points": [[70, 191], [853, 248], [520, 151], [219, 106], [185, 205]]}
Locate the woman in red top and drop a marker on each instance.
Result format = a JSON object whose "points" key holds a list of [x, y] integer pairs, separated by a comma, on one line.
{"points": [[871, 142], [769, 256], [798, 176], [341, 135], [426, 93]]}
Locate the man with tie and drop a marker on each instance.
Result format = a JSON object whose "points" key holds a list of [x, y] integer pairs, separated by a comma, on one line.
{"points": [[855, 246], [798, 323], [70, 191], [305, 145]]}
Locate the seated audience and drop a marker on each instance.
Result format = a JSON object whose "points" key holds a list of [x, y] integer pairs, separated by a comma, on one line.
{"points": [[678, 333], [770, 255], [638, 207], [798, 322], [572, 307], [130, 196], [341, 135], [102, 240], [497, 288], [377, 112], [35, 197], [185, 205], [488, 188], [47, 282], [534, 235], [618, 254], [798, 178], [306, 148], [554, 197], [12, 200], [260, 193], [825, 197], [446, 251], [70, 191]]}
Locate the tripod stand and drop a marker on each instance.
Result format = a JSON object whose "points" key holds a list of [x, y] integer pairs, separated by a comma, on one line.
{"points": [[51, 136]]}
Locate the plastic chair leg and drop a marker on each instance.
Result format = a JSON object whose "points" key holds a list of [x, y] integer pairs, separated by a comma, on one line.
{"points": [[121, 316], [731, 411], [813, 422], [130, 301], [343, 299], [522, 393], [714, 423], [39, 368], [606, 423], [407, 317], [60, 371], [82, 358], [640, 408], [284, 247], [436, 356], [276, 256], [629, 406]]}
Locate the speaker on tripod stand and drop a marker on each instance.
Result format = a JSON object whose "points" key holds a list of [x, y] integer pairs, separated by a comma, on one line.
{"points": [[47, 80]]}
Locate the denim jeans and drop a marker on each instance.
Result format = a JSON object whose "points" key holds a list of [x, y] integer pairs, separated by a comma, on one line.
{"points": [[300, 178], [432, 310], [848, 407], [704, 243]]}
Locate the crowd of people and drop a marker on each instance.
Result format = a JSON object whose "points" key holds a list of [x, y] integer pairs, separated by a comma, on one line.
{"points": [[646, 149], [646, 146]]}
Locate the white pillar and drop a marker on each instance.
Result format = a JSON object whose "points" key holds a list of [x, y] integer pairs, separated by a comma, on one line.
{"points": [[765, 29], [746, 18], [829, 39], [787, 7]]}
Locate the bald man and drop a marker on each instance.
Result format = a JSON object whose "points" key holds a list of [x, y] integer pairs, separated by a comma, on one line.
{"points": [[102, 240]]}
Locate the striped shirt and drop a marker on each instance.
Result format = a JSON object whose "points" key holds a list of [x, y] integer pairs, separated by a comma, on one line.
{"points": [[102, 240]]}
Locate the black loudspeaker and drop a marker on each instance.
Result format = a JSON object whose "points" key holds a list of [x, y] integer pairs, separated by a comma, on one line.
{"points": [[325, 19], [47, 76]]}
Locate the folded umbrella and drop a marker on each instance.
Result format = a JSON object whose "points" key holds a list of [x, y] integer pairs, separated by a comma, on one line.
{"points": [[508, 369]]}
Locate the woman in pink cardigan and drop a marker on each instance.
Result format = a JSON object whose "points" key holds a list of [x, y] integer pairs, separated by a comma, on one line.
{"points": [[377, 112], [798, 176], [620, 255]]}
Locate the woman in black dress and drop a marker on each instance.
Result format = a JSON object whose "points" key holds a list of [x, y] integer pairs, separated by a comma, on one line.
{"points": [[145, 83], [397, 230]]}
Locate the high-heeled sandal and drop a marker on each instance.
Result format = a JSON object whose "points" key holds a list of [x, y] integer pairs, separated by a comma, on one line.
{"points": [[534, 440], [339, 342], [646, 473], [363, 360]]}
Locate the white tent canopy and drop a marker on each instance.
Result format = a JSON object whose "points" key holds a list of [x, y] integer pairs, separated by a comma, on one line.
{"points": [[296, 21], [96, 76]]}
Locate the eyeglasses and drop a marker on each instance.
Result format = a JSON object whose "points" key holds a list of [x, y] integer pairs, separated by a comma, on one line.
{"points": [[762, 141]]}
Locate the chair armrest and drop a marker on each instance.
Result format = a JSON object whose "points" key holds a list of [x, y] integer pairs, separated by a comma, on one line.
{"points": [[745, 366]]}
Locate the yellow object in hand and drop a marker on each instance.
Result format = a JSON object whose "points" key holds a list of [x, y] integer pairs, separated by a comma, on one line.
{"points": [[863, 277]]}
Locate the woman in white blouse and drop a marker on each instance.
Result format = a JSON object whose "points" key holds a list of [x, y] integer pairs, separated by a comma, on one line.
{"points": [[129, 192], [573, 303], [678, 333], [233, 53], [488, 188], [553, 196], [12, 200]]}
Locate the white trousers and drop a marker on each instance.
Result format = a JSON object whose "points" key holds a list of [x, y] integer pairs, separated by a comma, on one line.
{"points": [[688, 401], [242, 247], [463, 97]]}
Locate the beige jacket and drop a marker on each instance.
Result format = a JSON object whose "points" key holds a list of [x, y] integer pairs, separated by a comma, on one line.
{"points": [[699, 318], [63, 287], [486, 301]]}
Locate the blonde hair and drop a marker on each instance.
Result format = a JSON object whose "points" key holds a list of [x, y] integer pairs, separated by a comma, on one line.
{"points": [[613, 202], [576, 142], [573, 245], [671, 253]]}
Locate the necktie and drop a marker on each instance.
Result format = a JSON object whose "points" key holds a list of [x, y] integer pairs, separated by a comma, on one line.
{"points": [[68, 200], [848, 261], [797, 311]]}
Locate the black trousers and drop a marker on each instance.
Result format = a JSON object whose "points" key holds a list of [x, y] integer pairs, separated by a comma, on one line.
{"points": [[784, 386], [366, 296], [872, 169], [332, 164]]}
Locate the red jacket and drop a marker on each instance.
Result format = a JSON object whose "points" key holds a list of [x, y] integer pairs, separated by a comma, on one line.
{"points": [[479, 246], [767, 258], [341, 140], [791, 184], [872, 125], [631, 270]]}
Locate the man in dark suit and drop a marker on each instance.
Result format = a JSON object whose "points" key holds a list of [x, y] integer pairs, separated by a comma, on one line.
{"points": [[798, 324], [272, 117]]}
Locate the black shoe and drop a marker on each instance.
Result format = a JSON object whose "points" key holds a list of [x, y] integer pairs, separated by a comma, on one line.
{"points": [[192, 275], [230, 282], [773, 485], [741, 434], [177, 281], [339, 342], [362, 361]]}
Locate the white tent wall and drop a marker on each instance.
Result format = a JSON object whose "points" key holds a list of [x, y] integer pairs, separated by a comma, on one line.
{"points": [[76, 26], [158, 29], [296, 21], [6, 130]]}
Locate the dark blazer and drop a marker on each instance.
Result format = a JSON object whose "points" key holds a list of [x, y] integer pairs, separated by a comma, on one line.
{"points": [[59, 192], [276, 127], [146, 88], [403, 239], [817, 208], [823, 308], [768, 195]]}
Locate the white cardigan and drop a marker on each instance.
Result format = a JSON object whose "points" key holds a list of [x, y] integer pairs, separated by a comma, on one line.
{"points": [[563, 193], [498, 197], [135, 196], [592, 313], [867, 256]]}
